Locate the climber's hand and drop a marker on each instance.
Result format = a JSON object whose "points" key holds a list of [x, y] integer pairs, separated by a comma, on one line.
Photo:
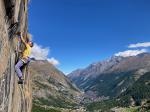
{"points": [[18, 51], [18, 33]]}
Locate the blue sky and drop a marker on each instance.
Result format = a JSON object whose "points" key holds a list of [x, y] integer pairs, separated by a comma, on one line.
{"points": [[80, 32]]}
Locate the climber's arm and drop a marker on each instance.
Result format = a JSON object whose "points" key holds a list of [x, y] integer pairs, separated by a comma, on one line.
{"points": [[22, 39]]}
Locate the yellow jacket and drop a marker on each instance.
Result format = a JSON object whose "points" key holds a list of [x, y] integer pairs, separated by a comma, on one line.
{"points": [[27, 51]]}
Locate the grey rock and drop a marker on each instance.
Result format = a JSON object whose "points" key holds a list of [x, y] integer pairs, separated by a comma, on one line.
{"points": [[13, 97]]}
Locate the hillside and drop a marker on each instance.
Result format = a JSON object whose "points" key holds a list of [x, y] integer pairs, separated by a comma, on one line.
{"points": [[52, 89], [135, 98], [115, 82]]}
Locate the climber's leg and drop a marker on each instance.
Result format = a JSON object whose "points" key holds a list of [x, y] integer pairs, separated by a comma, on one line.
{"points": [[17, 68], [28, 61]]}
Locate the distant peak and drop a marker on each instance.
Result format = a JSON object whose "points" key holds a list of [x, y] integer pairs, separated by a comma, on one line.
{"points": [[129, 53]]}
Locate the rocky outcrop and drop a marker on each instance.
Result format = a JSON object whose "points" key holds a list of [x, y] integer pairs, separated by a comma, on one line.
{"points": [[13, 97]]}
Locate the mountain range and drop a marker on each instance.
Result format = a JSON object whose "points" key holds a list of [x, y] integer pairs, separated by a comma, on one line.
{"points": [[118, 81]]}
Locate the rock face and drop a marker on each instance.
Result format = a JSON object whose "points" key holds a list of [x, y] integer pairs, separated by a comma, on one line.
{"points": [[13, 97]]}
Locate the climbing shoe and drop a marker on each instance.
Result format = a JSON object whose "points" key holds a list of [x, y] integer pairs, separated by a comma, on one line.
{"points": [[20, 81]]}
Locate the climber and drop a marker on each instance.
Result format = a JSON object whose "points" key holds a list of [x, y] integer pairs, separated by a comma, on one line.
{"points": [[25, 59]]}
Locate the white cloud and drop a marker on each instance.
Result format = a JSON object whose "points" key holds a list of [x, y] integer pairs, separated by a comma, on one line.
{"points": [[145, 44], [128, 53], [53, 61], [39, 52]]}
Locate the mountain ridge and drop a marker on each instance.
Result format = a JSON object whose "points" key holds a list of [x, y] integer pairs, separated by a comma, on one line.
{"points": [[115, 65], [113, 60]]}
